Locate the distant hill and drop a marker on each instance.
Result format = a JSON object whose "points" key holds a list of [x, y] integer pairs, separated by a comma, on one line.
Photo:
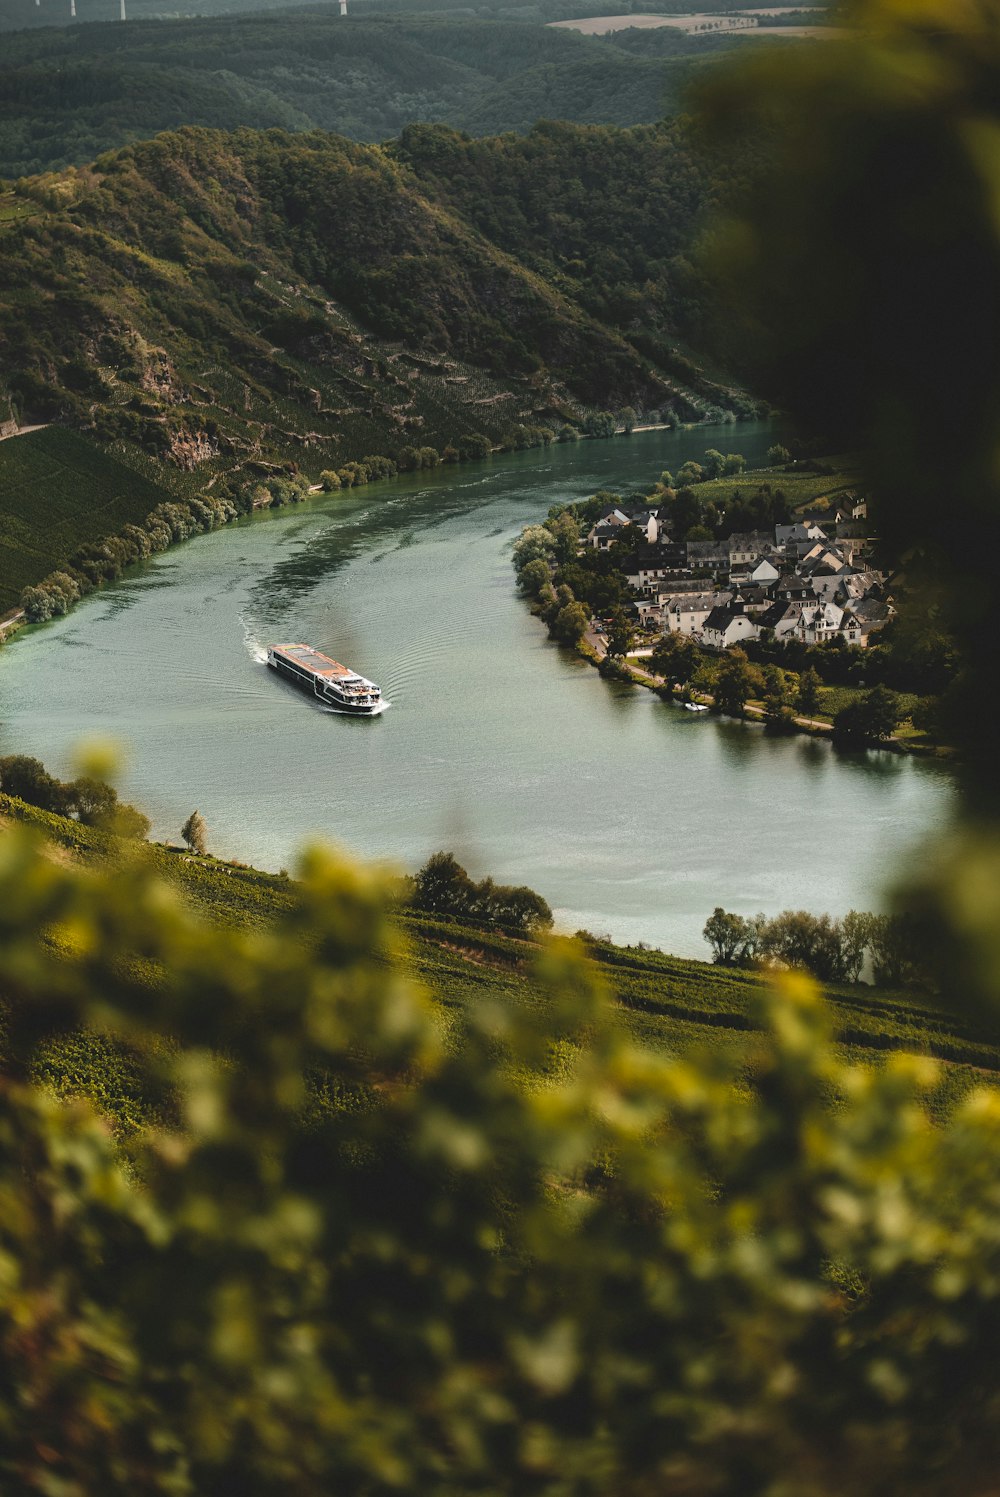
{"points": [[67, 94]]}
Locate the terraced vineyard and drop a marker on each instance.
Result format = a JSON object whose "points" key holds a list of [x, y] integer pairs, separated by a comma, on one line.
{"points": [[58, 490]]}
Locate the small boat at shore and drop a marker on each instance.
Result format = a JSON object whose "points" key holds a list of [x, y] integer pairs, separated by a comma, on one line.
{"points": [[333, 684], [695, 707]]}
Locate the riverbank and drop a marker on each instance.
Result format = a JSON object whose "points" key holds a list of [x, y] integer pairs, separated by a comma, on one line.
{"points": [[593, 649], [59, 484]]}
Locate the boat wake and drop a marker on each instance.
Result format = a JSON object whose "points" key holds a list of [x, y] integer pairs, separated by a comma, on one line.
{"points": [[253, 647]]}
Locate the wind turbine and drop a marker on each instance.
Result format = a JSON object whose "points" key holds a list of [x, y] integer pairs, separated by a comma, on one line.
{"points": [[343, 7]]}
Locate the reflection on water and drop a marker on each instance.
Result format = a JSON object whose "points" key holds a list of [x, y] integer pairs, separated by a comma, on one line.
{"points": [[630, 815]]}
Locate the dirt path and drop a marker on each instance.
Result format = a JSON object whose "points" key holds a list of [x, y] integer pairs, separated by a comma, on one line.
{"points": [[22, 431], [12, 622]]}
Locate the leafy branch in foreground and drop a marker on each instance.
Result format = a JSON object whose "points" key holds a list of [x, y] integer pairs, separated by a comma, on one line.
{"points": [[382, 1252]]}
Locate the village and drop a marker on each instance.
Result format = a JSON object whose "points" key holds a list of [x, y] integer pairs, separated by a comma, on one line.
{"points": [[810, 581]]}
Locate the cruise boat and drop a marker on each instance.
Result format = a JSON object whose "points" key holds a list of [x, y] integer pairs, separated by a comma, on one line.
{"points": [[327, 680]]}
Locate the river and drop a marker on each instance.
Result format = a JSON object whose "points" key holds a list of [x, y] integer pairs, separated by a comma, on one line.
{"points": [[632, 817]]}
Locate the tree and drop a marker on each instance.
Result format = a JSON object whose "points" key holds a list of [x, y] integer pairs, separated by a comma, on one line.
{"points": [[570, 623], [675, 658], [565, 532], [725, 933], [621, 634], [812, 942], [93, 802], [856, 931], [599, 424], [195, 833], [628, 418], [533, 578], [329, 480], [688, 473], [871, 718], [685, 512], [778, 456], [30, 781], [714, 465], [736, 680], [534, 542], [807, 696], [735, 463], [778, 717]]}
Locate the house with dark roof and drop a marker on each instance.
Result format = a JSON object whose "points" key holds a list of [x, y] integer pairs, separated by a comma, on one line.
{"points": [[726, 626], [685, 613], [708, 556]]}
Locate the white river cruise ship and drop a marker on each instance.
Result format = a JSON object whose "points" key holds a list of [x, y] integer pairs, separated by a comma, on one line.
{"points": [[326, 679]]}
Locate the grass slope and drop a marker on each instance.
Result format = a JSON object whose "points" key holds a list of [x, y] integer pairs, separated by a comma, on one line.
{"points": [[57, 490], [667, 1003]]}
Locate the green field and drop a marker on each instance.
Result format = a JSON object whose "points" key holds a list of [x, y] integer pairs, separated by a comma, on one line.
{"points": [[802, 488], [57, 490], [672, 1005]]}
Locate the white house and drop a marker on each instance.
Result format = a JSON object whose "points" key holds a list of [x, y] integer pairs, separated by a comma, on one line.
{"points": [[685, 613], [796, 533], [648, 521], [817, 623], [863, 619], [760, 574], [725, 627], [646, 571]]}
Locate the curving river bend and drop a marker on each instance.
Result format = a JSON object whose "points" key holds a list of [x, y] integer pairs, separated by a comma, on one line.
{"points": [[632, 817]]}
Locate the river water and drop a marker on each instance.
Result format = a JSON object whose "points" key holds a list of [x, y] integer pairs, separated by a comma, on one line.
{"points": [[633, 817]]}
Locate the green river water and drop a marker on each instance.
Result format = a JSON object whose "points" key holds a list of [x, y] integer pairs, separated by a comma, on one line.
{"points": [[631, 816]]}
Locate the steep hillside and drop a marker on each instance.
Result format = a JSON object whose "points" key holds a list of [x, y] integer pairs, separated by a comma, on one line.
{"points": [[610, 217], [207, 305], [211, 295]]}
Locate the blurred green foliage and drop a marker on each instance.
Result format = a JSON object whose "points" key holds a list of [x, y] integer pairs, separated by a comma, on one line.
{"points": [[863, 274], [362, 1249]]}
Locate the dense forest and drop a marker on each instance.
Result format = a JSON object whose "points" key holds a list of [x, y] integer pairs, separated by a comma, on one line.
{"points": [[68, 94]]}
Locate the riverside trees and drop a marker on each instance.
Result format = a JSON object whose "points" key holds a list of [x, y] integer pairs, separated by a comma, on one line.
{"points": [[832, 950]]}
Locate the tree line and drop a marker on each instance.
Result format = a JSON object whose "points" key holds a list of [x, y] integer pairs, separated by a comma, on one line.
{"points": [[87, 799], [832, 950]]}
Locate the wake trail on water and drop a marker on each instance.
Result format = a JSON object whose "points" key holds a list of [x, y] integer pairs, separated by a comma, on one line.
{"points": [[251, 644]]}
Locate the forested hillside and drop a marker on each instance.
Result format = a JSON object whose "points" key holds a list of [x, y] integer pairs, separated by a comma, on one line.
{"points": [[68, 94], [607, 216]]}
